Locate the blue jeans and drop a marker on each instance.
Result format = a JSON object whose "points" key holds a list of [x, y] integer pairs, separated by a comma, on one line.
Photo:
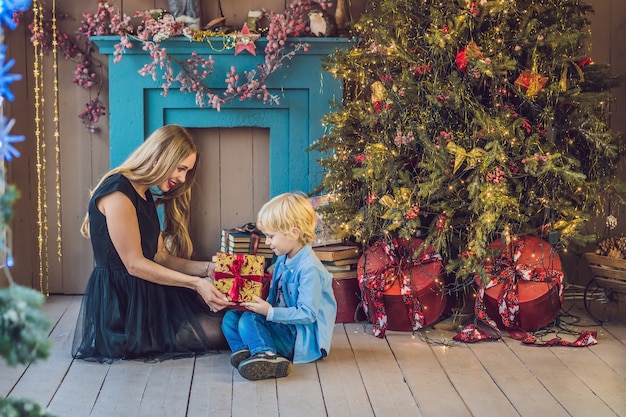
{"points": [[245, 329]]}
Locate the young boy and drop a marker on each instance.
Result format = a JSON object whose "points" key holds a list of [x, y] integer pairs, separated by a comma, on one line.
{"points": [[296, 322]]}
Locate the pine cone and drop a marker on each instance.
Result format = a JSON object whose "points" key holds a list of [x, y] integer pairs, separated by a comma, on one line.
{"points": [[614, 247], [615, 253]]}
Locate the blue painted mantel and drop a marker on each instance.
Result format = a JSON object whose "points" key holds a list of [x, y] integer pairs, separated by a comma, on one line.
{"points": [[137, 106]]}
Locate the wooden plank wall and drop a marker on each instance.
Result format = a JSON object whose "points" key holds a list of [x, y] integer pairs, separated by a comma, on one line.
{"points": [[84, 156]]}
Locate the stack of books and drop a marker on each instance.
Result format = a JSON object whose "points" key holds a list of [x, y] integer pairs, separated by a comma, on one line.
{"points": [[247, 243], [339, 260], [324, 231]]}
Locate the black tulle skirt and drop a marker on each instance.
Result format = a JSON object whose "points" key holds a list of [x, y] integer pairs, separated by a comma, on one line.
{"points": [[124, 317]]}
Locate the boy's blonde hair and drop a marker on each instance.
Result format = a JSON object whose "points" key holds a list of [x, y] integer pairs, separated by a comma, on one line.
{"points": [[287, 211]]}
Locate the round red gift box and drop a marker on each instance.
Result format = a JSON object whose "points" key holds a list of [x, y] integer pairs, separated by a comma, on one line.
{"points": [[426, 279], [347, 294], [539, 302]]}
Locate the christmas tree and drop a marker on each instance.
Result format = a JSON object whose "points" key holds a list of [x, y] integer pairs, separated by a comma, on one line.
{"points": [[465, 122]]}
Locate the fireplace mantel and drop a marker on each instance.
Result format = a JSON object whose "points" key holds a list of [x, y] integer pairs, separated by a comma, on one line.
{"points": [[137, 106]]}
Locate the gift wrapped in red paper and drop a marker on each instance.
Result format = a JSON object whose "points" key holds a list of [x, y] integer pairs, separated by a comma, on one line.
{"points": [[240, 276]]}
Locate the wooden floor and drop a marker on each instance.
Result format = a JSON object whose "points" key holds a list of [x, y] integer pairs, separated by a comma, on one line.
{"points": [[400, 375]]}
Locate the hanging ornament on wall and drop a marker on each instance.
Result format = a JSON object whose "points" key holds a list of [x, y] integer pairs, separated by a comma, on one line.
{"points": [[611, 221]]}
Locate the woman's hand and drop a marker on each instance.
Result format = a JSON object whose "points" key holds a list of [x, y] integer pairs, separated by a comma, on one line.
{"points": [[258, 306], [209, 271], [212, 296]]}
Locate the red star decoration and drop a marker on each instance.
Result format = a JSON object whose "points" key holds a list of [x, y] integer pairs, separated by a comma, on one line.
{"points": [[245, 40]]}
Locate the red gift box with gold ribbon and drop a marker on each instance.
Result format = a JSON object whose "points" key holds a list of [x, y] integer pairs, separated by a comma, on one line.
{"points": [[240, 276]]}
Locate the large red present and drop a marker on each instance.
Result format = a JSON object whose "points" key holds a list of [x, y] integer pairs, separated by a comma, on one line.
{"points": [[348, 296], [240, 276], [532, 278], [402, 285]]}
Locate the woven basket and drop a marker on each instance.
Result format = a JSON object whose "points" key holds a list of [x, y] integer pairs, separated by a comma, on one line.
{"points": [[609, 273]]}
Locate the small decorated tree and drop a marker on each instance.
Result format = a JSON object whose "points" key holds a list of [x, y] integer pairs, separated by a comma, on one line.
{"points": [[466, 122]]}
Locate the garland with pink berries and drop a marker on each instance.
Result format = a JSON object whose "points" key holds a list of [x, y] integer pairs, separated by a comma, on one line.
{"points": [[158, 25]]}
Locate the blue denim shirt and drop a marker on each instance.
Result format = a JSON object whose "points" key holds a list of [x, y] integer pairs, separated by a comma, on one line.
{"points": [[311, 307]]}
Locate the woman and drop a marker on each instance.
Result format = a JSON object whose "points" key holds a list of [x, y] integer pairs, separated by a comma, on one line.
{"points": [[145, 297]]}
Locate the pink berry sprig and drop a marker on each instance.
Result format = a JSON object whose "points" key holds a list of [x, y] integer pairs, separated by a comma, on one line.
{"points": [[92, 113], [84, 75]]}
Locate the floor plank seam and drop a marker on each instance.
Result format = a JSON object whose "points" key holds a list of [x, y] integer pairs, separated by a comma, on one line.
{"points": [[535, 376], [191, 382], [447, 374], [95, 401], [493, 378], [404, 378], [358, 367]]}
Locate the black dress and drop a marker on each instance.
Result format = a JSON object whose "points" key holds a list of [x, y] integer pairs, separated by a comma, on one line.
{"points": [[125, 317]]}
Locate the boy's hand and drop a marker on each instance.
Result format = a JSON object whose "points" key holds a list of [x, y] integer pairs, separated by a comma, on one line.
{"points": [[258, 306]]}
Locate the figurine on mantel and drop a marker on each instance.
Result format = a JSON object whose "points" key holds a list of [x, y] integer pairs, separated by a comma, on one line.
{"points": [[321, 23], [259, 21], [343, 15], [186, 11]]}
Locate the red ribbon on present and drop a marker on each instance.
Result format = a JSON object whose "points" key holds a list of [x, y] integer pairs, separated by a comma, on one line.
{"points": [[509, 273], [238, 280], [506, 271], [376, 282]]}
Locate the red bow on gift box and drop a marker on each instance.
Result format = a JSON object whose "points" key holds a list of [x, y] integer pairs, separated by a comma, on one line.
{"points": [[508, 272], [239, 276]]}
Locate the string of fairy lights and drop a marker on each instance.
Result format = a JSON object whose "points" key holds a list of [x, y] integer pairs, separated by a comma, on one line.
{"points": [[57, 136], [41, 145]]}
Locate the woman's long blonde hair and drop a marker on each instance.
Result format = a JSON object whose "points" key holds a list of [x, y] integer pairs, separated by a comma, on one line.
{"points": [[151, 164]]}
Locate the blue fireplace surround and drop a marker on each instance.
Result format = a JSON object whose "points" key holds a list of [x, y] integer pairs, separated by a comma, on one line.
{"points": [[137, 106]]}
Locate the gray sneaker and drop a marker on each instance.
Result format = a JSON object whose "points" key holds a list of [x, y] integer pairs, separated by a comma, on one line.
{"points": [[264, 366], [237, 357]]}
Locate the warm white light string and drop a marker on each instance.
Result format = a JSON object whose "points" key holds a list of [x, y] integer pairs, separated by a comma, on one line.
{"points": [[42, 220], [57, 146]]}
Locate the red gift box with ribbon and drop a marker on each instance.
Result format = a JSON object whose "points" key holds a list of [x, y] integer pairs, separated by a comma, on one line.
{"points": [[526, 286], [524, 293], [240, 276], [402, 285]]}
